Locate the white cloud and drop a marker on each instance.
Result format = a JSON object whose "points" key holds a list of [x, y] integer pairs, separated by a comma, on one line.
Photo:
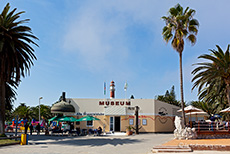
{"points": [[92, 38], [97, 32]]}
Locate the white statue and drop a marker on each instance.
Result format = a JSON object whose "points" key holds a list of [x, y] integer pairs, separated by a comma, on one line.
{"points": [[178, 130], [186, 133], [177, 123]]}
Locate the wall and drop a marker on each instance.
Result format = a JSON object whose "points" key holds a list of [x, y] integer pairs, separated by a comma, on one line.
{"points": [[164, 116], [159, 116]]}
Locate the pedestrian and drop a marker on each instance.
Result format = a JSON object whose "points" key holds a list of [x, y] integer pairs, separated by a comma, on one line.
{"points": [[99, 131], [38, 127], [71, 126], [26, 127], [212, 118], [31, 129], [226, 125]]}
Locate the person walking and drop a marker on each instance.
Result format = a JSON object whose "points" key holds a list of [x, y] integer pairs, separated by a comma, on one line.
{"points": [[212, 118], [38, 127], [31, 129]]}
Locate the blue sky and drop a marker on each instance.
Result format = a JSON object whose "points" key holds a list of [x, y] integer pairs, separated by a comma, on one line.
{"points": [[84, 43]]}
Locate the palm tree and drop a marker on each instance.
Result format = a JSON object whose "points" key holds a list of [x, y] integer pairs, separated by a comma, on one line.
{"points": [[23, 111], [45, 112], [208, 107], [16, 54], [213, 78], [180, 25], [10, 94]]}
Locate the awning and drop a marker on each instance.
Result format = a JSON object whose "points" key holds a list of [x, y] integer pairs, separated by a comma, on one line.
{"points": [[115, 110]]}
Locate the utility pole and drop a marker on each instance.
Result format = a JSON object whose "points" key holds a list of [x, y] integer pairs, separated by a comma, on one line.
{"points": [[16, 130], [39, 110], [137, 121]]}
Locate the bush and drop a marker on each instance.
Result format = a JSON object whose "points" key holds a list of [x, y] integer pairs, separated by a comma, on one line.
{"points": [[3, 135]]}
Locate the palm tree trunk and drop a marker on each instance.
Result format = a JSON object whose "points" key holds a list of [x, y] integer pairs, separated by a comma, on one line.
{"points": [[2, 105], [182, 92]]}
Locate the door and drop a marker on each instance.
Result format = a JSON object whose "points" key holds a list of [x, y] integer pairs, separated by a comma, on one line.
{"points": [[111, 124], [117, 124]]}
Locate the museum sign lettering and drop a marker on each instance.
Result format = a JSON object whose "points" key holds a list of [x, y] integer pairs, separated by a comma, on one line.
{"points": [[121, 103], [91, 114]]}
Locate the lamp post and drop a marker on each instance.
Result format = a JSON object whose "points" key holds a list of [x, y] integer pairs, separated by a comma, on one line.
{"points": [[39, 109]]}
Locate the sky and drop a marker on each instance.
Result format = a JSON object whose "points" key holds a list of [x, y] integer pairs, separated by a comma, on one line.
{"points": [[83, 44]]}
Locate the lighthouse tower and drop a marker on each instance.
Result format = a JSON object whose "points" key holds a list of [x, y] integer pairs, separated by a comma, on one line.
{"points": [[112, 90]]}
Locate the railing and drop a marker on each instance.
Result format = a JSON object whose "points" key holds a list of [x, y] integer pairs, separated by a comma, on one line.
{"points": [[210, 126]]}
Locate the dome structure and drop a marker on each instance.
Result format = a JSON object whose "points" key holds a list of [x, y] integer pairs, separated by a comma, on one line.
{"points": [[62, 107]]}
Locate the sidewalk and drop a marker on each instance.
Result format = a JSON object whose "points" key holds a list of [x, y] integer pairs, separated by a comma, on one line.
{"points": [[202, 144], [198, 142]]}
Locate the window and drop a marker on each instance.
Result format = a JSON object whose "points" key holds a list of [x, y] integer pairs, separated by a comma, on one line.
{"points": [[144, 121], [130, 121], [89, 124], [111, 124]]}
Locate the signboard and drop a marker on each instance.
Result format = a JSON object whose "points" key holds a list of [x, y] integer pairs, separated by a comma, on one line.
{"points": [[121, 103], [85, 113]]}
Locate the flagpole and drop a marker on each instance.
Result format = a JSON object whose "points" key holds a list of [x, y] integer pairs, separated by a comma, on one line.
{"points": [[125, 88], [104, 102], [104, 89]]}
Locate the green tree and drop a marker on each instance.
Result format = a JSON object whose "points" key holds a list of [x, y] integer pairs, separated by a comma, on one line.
{"points": [[169, 97], [16, 54], [23, 111], [217, 93], [180, 25], [207, 107], [212, 77], [45, 112], [10, 97]]}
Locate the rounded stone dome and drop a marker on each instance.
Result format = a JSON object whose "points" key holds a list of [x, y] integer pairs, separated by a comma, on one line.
{"points": [[62, 107]]}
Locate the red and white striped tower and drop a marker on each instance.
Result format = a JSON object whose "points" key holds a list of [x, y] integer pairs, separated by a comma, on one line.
{"points": [[112, 90]]}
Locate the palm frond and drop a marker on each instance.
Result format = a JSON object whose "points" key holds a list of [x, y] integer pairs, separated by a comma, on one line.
{"points": [[211, 77]]}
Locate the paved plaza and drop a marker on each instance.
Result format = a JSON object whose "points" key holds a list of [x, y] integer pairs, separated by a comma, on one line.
{"points": [[135, 144]]}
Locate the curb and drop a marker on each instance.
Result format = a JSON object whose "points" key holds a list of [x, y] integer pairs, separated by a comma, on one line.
{"points": [[2, 145], [210, 147]]}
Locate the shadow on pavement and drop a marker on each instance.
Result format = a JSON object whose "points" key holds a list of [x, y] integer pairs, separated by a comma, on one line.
{"points": [[80, 141], [43, 137]]}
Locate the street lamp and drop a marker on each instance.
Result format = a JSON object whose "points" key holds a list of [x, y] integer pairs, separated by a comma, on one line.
{"points": [[39, 109]]}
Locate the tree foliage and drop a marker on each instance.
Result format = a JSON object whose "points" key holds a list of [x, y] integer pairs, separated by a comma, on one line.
{"points": [[24, 111], [169, 97], [180, 25], [16, 55], [212, 77], [207, 107]]}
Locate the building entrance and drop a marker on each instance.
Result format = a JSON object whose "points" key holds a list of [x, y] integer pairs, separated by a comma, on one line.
{"points": [[117, 124]]}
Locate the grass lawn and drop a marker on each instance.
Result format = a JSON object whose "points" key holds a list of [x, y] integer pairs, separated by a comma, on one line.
{"points": [[7, 141]]}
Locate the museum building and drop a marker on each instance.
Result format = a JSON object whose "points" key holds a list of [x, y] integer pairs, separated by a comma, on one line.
{"points": [[117, 114]]}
